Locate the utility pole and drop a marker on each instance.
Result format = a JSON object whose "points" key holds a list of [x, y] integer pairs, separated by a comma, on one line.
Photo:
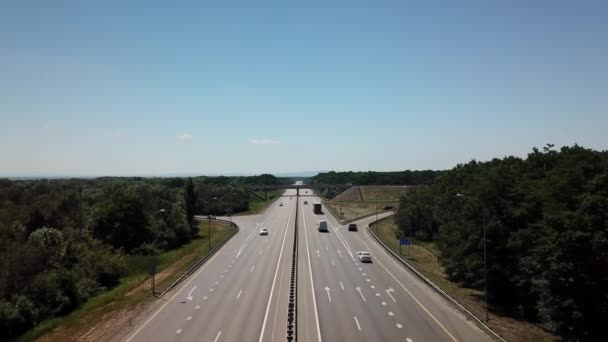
{"points": [[485, 266]]}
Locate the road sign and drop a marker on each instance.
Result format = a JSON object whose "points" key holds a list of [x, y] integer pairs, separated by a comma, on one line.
{"points": [[405, 242]]}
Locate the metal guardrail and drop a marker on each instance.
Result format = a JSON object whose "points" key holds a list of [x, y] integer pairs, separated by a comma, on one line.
{"points": [[203, 259], [431, 284]]}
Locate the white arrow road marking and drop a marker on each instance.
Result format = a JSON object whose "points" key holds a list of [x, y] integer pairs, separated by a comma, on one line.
{"points": [[190, 293], [389, 293], [327, 289], [237, 297], [249, 238], [340, 254], [361, 293], [342, 286], [344, 243], [218, 336], [356, 321]]}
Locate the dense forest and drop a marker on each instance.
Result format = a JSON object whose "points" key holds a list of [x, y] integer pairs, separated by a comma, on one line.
{"points": [[406, 177], [546, 221], [63, 241]]}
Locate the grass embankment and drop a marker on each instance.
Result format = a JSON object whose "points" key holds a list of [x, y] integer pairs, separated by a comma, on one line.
{"points": [[105, 314], [361, 201], [352, 210], [424, 257], [383, 192], [257, 205]]}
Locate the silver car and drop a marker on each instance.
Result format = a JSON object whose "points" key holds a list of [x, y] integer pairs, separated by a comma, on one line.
{"points": [[364, 256]]}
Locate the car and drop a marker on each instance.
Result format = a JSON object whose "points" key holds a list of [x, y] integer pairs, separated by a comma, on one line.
{"points": [[364, 256], [263, 231], [305, 202], [322, 225], [281, 204], [352, 227]]}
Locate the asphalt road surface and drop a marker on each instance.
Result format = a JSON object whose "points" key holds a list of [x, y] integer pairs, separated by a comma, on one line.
{"points": [[241, 293]]}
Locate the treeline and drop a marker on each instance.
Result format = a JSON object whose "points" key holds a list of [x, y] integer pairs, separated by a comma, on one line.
{"points": [[546, 220], [406, 177], [63, 241]]}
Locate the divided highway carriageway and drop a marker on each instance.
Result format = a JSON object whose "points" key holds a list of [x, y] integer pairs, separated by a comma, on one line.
{"points": [[243, 292]]}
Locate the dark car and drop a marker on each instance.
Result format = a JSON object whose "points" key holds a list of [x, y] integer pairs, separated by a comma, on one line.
{"points": [[352, 227]]}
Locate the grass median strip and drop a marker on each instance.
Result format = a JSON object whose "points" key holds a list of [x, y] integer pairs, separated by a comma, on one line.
{"points": [[106, 313], [424, 256]]}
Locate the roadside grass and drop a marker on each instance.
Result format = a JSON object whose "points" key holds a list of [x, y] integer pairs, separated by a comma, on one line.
{"points": [[352, 210], [424, 256], [383, 192], [257, 205], [350, 195], [134, 288]]}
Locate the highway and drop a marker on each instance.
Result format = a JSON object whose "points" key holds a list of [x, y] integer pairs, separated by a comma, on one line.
{"points": [[241, 293], [378, 301]]}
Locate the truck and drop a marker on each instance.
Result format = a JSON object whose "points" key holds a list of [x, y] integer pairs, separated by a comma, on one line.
{"points": [[317, 208], [323, 226]]}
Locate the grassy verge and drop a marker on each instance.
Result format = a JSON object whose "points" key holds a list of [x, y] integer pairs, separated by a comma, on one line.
{"points": [[352, 210], [113, 309], [383, 193], [424, 257], [257, 205]]}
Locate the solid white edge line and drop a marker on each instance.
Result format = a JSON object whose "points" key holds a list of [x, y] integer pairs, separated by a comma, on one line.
{"points": [[413, 297], [275, 276], [312, 283], [173, 297]]}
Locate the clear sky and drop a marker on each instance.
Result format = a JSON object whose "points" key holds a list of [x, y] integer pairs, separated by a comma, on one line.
{"points": [[154, 87]]}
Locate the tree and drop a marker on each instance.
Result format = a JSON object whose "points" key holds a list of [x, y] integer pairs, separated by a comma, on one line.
{"points": [[190, 202]]}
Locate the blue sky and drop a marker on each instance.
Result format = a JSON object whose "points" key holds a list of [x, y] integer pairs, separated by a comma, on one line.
{"points": [[155, 87]]}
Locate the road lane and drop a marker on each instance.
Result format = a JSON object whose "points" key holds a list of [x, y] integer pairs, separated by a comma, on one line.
{"points": [[213, 307], [420, 314]]}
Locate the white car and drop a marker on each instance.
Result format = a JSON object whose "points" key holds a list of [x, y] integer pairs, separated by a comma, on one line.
{"points": [[364, 256], [263, 231]]}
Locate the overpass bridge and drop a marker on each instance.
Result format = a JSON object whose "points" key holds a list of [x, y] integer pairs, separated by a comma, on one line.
{"points": [[261, 187]]}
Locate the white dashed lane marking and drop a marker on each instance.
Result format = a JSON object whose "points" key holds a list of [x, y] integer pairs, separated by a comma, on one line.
{"points": [[356, 321]]}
